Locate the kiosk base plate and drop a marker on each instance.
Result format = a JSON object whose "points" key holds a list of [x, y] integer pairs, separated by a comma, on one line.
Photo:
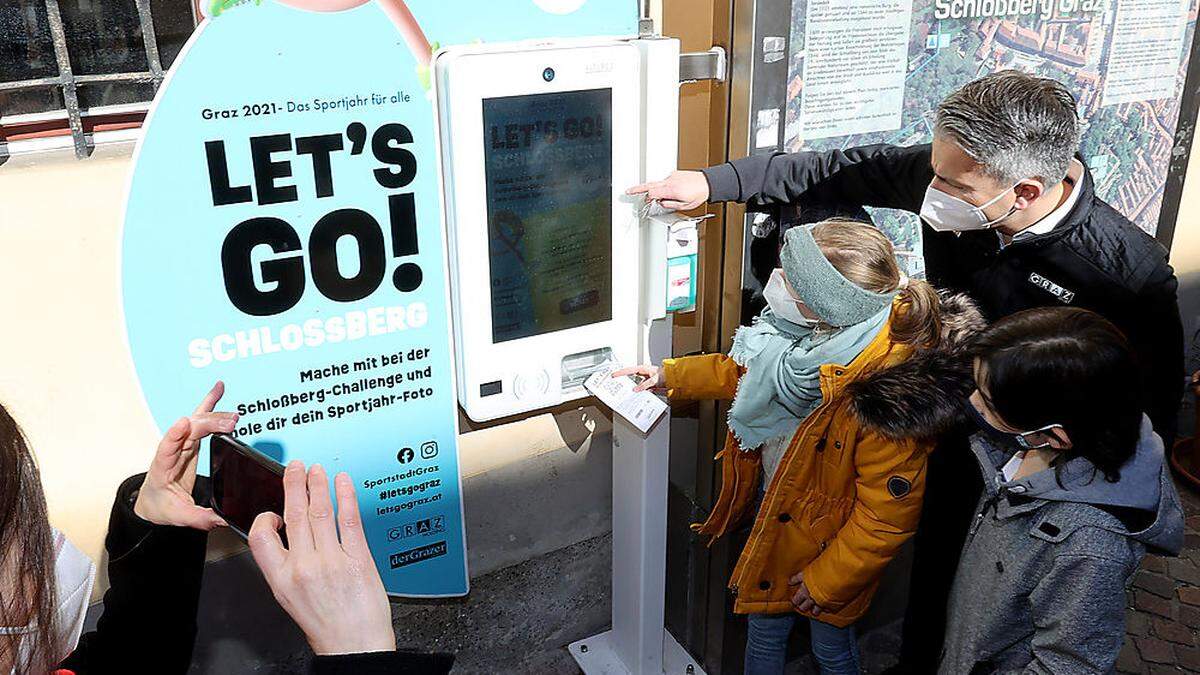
{"points": [[596, 656]]}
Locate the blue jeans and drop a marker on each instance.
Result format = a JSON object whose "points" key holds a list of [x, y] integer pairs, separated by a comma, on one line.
{"points": [[834, 649]]}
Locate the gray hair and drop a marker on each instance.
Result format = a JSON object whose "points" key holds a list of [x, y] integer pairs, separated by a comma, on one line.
{"points": [[1016, 125]]}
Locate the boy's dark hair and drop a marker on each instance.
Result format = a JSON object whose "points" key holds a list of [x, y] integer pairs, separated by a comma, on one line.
{"points": [[1068, 366]]}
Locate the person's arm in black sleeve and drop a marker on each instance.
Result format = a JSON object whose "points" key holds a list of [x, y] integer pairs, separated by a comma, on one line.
{"points": [[886, 176], [383, 663], [1156, 336], [154, 574]]}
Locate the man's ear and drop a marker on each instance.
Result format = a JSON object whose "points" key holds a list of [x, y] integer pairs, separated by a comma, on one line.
{"points": [[1059, 439], [1028, 191]]}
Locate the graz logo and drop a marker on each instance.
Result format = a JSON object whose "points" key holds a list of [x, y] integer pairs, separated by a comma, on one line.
{"points": [[418, 554], [422, 527], [1052, 288]]}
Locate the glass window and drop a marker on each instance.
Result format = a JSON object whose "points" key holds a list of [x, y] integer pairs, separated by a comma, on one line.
{"points": [[26, 52], [173, 25], [113, 93], [103, 37]]}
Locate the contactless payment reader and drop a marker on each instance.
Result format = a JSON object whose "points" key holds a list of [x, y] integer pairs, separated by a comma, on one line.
{"points": [[539, 142]]}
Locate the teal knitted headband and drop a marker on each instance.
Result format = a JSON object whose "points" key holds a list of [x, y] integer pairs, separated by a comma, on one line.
{"points": [[835, 299]]}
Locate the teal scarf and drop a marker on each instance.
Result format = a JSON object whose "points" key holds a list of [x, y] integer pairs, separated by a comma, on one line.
{"points": [[782, 382]]}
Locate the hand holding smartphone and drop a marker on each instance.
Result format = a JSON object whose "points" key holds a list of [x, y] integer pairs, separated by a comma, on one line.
{"points": [[324, 576], [245, 483]]}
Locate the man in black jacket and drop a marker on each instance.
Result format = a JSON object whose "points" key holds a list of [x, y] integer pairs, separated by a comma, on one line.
{"points": [[1012, 219]]}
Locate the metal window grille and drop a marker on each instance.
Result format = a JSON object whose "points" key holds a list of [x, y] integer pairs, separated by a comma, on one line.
{"points": [[69, 82]]}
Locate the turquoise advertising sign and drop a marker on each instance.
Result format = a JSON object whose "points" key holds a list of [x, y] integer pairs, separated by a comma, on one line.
{"points": [[283, 234]]}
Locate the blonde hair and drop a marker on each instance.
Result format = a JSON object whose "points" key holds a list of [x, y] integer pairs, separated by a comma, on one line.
{"points": [[865, 256]]}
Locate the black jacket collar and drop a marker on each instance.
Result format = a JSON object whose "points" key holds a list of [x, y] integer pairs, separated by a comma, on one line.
{"points": [[1079, 216]]}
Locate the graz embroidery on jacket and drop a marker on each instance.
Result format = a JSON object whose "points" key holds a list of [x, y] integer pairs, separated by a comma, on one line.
{"points": [[1052, 288]]}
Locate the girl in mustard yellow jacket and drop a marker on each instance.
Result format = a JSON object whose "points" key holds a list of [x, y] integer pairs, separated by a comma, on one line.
{"points": [[838, 389]]}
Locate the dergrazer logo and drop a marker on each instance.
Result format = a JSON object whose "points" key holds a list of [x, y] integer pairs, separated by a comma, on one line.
{"points": [[416, 555], [1052, 288]]}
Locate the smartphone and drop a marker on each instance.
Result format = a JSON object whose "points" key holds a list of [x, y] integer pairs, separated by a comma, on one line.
{"points": [[245, 482]]}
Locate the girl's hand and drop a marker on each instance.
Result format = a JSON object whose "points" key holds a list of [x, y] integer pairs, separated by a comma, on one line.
{"points": [[802, 600], [165, 497], [651, 376]]}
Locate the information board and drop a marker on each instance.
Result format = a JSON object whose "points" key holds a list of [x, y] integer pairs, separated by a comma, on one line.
{"points": [[872, 71]]}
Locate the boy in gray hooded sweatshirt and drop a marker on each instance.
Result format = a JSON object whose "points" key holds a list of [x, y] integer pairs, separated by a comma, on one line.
{"points": [[1075, 492]]}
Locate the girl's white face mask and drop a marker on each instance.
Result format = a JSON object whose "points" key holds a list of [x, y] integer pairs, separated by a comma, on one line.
{"points": [[783, 303], [946, 213], [74, 574]]}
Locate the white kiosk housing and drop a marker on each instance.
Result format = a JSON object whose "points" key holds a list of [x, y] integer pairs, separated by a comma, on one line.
{"points": [[554, 271], [539, 141]]}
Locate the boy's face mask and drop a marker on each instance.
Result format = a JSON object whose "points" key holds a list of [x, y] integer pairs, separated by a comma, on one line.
{"points": [[783, 303], [74, 573], [946, 213], [1026, 440]]}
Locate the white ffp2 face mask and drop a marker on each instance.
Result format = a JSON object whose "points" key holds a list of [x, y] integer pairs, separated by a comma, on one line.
{"points": [[783, 303], [74, 574], [946, 213]]}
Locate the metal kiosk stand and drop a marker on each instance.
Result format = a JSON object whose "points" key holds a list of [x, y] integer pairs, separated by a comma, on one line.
{"points": [[638, 643]]}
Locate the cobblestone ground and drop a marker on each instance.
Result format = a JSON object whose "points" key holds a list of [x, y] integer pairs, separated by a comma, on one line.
{"points": [[1164, 606]]}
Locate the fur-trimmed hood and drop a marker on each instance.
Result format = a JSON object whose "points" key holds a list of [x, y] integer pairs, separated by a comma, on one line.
{"points": [[923, 396]]}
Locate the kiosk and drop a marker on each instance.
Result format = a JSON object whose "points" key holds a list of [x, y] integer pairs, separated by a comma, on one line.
{"points": [[548, 257], [555, 271], [541, 140]]}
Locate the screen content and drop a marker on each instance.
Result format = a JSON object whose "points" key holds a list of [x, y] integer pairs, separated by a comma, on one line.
{"points": [[548, 166], [242, 487]]}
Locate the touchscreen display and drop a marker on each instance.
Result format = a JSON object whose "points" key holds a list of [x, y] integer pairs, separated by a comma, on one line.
{"points": [[548, 165]]}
